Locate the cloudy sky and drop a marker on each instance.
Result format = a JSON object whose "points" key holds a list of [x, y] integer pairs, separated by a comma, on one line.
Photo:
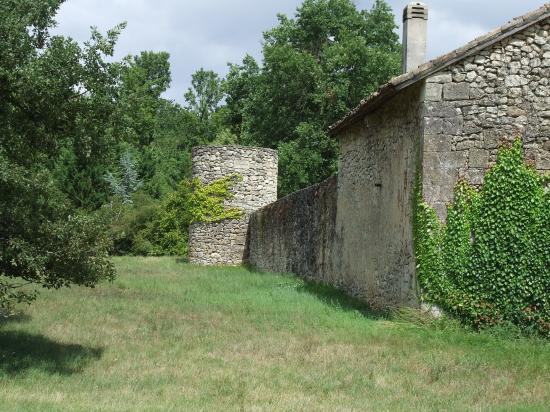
{"points": [[210, 33]]}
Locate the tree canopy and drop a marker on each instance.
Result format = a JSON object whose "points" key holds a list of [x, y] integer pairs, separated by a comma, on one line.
{"points": [[54, 95], [316, 67]]}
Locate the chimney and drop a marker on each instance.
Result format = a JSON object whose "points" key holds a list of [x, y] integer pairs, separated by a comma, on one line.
{"points": [[415, 30]]}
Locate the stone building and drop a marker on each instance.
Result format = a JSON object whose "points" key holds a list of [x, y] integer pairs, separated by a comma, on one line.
{"points": [[442, 121]]}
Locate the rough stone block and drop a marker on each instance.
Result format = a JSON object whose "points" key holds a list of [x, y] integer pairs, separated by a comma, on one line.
{"points": [[434, 92], [437, 143], [478, 158], [515, 81], [433, 126], [456, 91], [454, 160], [453, 125], [440, 78], [440, 109]]}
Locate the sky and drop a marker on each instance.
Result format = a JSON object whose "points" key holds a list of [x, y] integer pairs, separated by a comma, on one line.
{"points": [[211, 33]]}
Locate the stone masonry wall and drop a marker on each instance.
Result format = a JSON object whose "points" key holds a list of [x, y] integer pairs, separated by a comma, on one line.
{"points": [[353, 232], [257, 166], [296, 234], [223, 243], [378, 164], [487, 99]]}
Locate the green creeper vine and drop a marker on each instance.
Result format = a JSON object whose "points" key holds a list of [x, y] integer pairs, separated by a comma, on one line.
{"points": [[193, 202], [490, 262]]}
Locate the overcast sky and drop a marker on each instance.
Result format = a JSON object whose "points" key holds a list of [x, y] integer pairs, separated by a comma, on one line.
{"points": [[210, 33]]}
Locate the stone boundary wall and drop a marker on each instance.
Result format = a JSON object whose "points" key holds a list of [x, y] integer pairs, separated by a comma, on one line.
{"points": [[223, 243], [297, 234]]}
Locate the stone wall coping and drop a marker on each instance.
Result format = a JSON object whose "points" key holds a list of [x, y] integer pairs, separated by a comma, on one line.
{"points": [[294, 195], [202, 148], [390, 89]]}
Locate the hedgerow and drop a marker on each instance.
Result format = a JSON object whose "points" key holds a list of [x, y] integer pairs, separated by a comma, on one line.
{"points": [[490, 263]]}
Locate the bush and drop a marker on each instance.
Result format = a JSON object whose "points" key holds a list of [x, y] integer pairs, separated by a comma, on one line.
{"points": [[44, 240], [192, 202], [490, 264], [153, 228], [131, 224]]}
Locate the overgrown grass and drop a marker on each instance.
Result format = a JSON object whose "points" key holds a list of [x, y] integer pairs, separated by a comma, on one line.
{"points": [[170, 336]]}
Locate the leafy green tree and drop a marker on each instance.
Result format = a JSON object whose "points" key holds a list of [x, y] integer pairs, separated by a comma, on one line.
{"points": [[238, 87], [54, 95], [160, 132], [143, 80], [205, 93], [316, 67], [203, 99]]}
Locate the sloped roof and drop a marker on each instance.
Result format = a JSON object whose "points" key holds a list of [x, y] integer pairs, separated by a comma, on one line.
{"points": [[391, 88]]}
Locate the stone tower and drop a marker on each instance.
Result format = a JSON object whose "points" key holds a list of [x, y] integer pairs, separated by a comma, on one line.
{"points": [[223, 243]]}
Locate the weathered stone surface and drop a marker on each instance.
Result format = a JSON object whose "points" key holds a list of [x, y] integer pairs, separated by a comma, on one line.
{"points": [[478, 158], [378, 165], [440, 78], [223, 243], [456, 91], [355, 232], [492, 98], [297, 234], [434, 92]]}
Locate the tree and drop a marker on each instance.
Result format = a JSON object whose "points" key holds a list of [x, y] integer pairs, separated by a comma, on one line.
{"points": [[316, 67], [143, 80], [204, 97], [126, 182], [238, 87], [54, 95]]}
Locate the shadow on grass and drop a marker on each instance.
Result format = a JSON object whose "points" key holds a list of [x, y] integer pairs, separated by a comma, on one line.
{"points": [[17, 318], [20, 352], [331, 296]]}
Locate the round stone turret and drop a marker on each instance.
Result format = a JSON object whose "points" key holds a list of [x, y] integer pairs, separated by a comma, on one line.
{"points": [[224, 243]]}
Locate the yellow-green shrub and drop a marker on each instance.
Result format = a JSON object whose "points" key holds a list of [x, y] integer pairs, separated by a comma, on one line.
{"points": [[191, 202]]}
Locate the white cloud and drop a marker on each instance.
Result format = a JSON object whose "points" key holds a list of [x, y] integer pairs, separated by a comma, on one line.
{"points": [[210, 33]]}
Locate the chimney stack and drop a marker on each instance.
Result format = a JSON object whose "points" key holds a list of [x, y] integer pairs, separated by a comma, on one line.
{"points": [[415, 30]]}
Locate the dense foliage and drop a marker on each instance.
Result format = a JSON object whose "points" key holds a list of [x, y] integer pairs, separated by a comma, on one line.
{"points": [[54, 96], [490, 263], [145, 227], [316, 67]]}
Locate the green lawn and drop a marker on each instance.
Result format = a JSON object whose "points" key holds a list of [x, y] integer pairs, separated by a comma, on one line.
{"points": [[170, 336]]}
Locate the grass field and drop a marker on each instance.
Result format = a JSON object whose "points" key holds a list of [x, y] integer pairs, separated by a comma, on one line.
{"points": [[170, 336]]}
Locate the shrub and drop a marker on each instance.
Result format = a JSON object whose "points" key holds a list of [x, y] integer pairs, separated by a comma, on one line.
{"points": [[192, 202], [131, 224], [490, 263], [149, 227]]}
